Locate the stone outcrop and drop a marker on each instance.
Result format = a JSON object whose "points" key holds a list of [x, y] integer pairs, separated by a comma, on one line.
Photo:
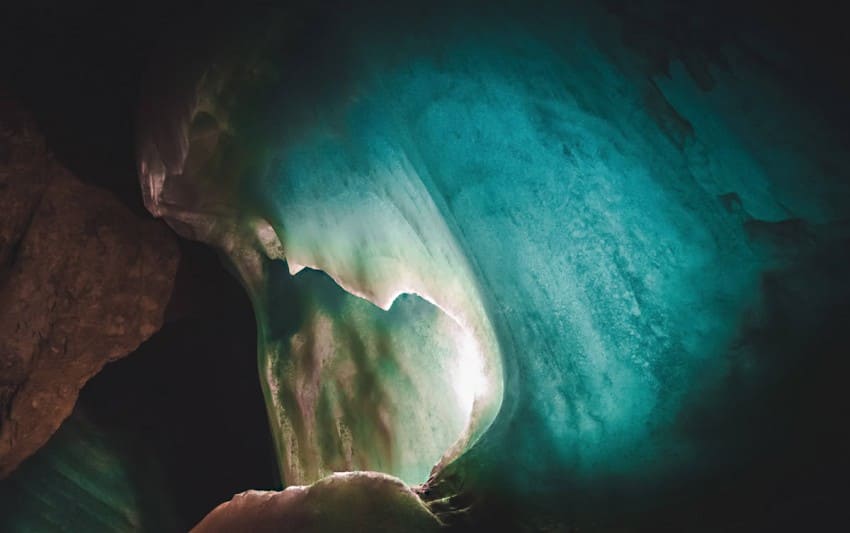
{"points": [[349, 501], [83, 281]]}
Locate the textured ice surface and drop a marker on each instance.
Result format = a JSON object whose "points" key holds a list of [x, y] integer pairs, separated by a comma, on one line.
{"points": [[86, 479], [356, 387], [603, 231]]}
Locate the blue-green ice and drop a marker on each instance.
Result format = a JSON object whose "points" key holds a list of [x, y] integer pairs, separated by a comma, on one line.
{"points": [[580, 243]]}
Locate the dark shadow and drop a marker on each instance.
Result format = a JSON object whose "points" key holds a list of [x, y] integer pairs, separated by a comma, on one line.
{"points": [[191, 394]]}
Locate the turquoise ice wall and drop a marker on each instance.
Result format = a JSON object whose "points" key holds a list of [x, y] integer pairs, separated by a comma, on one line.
{"points": [[612, 234]]}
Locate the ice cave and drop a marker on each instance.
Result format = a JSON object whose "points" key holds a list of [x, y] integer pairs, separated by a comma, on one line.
{"points": [[571, 268]]}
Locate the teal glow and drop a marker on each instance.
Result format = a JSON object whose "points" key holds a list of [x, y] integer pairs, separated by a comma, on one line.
{"points": [[602, 231], [87, 479]]}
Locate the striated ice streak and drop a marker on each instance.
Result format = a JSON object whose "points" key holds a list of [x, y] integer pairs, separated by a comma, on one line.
{"points": [[602, 233]]}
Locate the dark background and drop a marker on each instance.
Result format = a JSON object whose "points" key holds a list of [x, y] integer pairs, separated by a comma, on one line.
{"points": [[191, 393], [79, 67], [190, 396]]}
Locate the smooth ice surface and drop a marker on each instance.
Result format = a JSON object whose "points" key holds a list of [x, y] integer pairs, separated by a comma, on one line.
{"points": [[85, 479], [603, 231], [356, 387]]}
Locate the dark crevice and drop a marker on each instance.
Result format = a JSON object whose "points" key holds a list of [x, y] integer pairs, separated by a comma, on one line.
{"points": [[190, 397]]}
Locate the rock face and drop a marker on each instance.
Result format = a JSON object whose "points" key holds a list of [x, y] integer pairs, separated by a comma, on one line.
{"points": [[82, 282], [351, 501]]}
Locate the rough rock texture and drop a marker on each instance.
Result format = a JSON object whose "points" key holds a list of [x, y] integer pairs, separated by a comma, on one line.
{"points": [[351, 501], [82, 282]]}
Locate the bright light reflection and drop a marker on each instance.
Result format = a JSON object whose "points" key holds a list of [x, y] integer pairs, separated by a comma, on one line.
{"points": [[469, 379]]}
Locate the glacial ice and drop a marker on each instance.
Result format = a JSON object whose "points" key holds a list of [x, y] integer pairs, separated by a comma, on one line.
{"points": [[589, 224], [357, 387], [85, 479]]}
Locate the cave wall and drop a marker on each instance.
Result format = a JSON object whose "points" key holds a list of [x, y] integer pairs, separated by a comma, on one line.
{"points": [[84, 282]]}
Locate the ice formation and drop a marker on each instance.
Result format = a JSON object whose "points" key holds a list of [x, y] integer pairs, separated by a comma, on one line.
{"points": [[594, 233]]}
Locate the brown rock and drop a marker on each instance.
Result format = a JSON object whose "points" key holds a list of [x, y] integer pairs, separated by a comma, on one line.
{"points": [[348, 501], [82, 282]]}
